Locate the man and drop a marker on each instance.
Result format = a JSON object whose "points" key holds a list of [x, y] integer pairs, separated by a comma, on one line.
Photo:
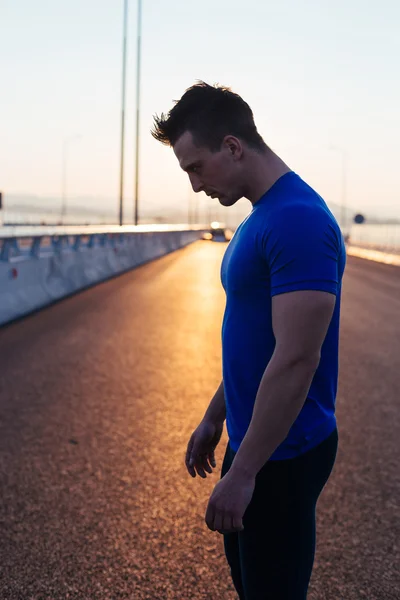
{"points": [[282, 274]]}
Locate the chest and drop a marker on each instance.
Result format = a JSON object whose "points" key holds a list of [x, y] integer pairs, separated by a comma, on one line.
{"points": [[243, 267]]}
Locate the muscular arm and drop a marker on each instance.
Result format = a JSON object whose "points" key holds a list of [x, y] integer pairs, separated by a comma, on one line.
{"points": [[300, 321]]}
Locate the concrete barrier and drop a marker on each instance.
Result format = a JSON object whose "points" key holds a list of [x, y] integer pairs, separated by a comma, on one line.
{"points": [[40, 266]]}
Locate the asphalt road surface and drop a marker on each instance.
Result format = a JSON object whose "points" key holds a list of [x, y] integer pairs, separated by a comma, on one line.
{"points": [[98, 397]]}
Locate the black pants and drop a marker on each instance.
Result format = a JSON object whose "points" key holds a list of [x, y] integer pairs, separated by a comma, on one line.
{"points": [[272, 558]]}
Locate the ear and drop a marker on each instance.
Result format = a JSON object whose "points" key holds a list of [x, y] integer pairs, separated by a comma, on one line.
{"points": [[233, 146]]}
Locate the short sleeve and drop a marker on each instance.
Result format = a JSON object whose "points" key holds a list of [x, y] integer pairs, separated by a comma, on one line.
{"points": [[302, 247]]}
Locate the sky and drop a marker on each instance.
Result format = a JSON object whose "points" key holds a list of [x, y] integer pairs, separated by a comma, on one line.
{"points": [[322, 78]]}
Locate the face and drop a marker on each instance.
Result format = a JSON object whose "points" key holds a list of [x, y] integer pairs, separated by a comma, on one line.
{"points": [[218, 174]]}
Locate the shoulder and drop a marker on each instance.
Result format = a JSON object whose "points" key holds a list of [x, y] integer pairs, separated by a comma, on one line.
{"points": [[302, 210], [299, 225], [301, 207]]}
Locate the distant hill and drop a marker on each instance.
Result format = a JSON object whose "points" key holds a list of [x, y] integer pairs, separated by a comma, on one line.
{"points": [[91, 209]]}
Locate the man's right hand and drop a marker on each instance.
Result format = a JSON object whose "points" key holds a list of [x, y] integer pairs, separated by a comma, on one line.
{"points": [[200, 454]]}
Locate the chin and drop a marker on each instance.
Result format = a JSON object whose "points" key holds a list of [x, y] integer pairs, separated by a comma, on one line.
{"points": [[227, 201]]}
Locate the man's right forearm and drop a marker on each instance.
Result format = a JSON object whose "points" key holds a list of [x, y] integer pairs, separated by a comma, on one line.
{"points": [[216, 412]]}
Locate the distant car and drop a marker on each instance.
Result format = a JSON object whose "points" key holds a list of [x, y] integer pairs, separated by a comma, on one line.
{"points": [[218, 234]]}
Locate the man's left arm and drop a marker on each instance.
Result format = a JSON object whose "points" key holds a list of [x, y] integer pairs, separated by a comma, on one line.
{"points": [[300, 322]]}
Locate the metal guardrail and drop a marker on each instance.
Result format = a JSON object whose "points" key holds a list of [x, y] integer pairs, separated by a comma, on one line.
{"points": [[22, 243], [19, 231], [383, 237]]}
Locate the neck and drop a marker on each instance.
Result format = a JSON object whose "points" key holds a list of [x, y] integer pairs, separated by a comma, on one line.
{"points": [[262, 171]]}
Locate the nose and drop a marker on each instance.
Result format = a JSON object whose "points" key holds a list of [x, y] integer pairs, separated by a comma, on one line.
{"points": [[197, 184]]}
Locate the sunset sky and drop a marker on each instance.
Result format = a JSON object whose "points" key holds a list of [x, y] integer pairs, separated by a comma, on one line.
{"points": [[322, 78]]}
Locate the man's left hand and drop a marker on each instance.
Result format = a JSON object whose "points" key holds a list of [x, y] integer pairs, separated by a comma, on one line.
{"points": [[229, 501]]}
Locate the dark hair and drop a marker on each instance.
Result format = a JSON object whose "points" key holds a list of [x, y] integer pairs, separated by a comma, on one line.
{"points": [[209, 113]]}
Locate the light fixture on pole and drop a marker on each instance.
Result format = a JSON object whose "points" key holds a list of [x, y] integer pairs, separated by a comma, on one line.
{"points": [[66, 144]]}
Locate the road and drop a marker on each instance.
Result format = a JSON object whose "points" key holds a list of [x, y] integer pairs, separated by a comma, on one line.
{"points": [[98, 397]]}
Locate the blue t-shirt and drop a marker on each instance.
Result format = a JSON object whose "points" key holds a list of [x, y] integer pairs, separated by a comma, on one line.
{"points": [[290, 241]]}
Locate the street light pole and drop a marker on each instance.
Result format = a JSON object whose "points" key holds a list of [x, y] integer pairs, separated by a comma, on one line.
{"points": [[66, 143], [121, 176], [344, 198], [343, 205], [139, 40], [64, 182], [189, 203]]}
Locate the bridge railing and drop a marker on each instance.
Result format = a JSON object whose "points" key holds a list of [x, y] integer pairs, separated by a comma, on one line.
{"points": [[24, 242], [40, 265]]}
